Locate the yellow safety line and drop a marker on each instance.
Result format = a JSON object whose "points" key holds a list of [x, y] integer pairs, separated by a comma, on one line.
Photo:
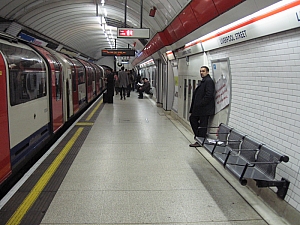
{"points": [[94, 110], [17, 217], [84, 124]]}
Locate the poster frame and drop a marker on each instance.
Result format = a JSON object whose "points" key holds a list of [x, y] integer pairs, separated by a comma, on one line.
{"points": [[214, 61]]}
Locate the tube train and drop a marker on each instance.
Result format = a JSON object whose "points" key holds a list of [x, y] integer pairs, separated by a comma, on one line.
{"points": [[40, 91]]}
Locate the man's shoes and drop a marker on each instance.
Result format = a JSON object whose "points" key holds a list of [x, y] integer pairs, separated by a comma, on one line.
{"points": [[196, 144], [121, 98], [140, 97]]}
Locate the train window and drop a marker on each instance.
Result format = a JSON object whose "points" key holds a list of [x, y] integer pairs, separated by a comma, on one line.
{"points": [[27, 74]]}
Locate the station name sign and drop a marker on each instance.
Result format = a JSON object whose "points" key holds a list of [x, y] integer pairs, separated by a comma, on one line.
{"points": [[118, 52], [133, 33]]}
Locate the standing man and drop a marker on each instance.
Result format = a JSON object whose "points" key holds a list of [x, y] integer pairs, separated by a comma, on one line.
{"points": [[109, 79], [123, 82], [203, 105]]}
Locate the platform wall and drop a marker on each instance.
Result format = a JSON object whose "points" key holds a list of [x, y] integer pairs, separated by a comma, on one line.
{"points": [[266, 97]]}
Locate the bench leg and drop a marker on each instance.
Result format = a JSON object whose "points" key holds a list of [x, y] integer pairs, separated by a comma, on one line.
{"points": [[282, 186]]}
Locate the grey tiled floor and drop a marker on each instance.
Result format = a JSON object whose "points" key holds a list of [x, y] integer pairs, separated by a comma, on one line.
{"points": [[135, 167]]}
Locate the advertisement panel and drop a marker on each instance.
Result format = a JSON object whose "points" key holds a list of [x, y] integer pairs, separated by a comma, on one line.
{"points": [[221, 75]]}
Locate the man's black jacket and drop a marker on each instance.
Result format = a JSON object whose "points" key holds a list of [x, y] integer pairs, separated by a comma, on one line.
{"points": [[203, 102]]}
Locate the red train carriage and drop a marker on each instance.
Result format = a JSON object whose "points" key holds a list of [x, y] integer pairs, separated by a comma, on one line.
{"points": [[40, 90]]}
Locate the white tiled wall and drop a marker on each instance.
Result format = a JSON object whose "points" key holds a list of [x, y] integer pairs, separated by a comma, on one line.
{"points": [[266, 97]]}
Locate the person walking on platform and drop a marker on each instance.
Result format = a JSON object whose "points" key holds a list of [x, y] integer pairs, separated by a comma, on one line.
{"points": [[203, 105], [123, 82]]}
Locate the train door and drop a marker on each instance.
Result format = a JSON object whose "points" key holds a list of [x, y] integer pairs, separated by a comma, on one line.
{"points": [[56, 86], [74, 76], [81, 83], [184, 98], [161, 73], [96, 84], [101, 78], [5, 166], [189, 97], [189, 87], [89, 80]]}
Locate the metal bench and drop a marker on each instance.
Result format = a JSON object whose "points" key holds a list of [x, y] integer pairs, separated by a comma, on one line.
{"points": [[246, 158]]}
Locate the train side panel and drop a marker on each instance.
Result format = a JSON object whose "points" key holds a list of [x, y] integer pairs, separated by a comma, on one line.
{"points": [[5, 166]]}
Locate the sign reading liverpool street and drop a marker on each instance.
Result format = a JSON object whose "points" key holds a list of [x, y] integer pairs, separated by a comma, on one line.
{"points": [[118, 52]]}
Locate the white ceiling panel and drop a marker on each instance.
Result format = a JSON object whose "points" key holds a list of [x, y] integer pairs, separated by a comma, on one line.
{"points": [[73, 23]]}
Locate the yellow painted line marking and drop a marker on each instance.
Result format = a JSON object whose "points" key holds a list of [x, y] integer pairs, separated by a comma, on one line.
{"points": [[84, 124], [94, 110], [17, 217]]}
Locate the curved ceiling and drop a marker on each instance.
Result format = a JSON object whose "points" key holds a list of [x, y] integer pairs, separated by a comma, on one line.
{"points": [[75, 24]]}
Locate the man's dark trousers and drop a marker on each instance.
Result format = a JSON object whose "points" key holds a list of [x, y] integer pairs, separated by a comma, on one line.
{"points": [[199, 121]]}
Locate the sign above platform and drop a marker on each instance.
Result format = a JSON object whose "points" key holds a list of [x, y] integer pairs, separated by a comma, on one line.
{"points": [[133, 33], [118, 52]]}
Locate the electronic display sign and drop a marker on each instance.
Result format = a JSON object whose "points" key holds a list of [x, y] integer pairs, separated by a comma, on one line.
{"points": [[118, 52], [133, 33]]}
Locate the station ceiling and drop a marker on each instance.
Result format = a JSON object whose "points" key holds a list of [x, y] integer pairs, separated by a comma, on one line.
{"points": [[80, 24]]}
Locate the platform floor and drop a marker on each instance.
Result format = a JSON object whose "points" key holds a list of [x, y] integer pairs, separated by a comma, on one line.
{"points": [[136, 167]]}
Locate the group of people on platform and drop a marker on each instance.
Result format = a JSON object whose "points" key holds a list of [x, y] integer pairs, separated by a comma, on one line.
{"points": [[203, 100], [125, 81]]}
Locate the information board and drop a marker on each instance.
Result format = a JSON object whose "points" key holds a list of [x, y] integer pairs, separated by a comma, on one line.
{"points": [[118, 52]]}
